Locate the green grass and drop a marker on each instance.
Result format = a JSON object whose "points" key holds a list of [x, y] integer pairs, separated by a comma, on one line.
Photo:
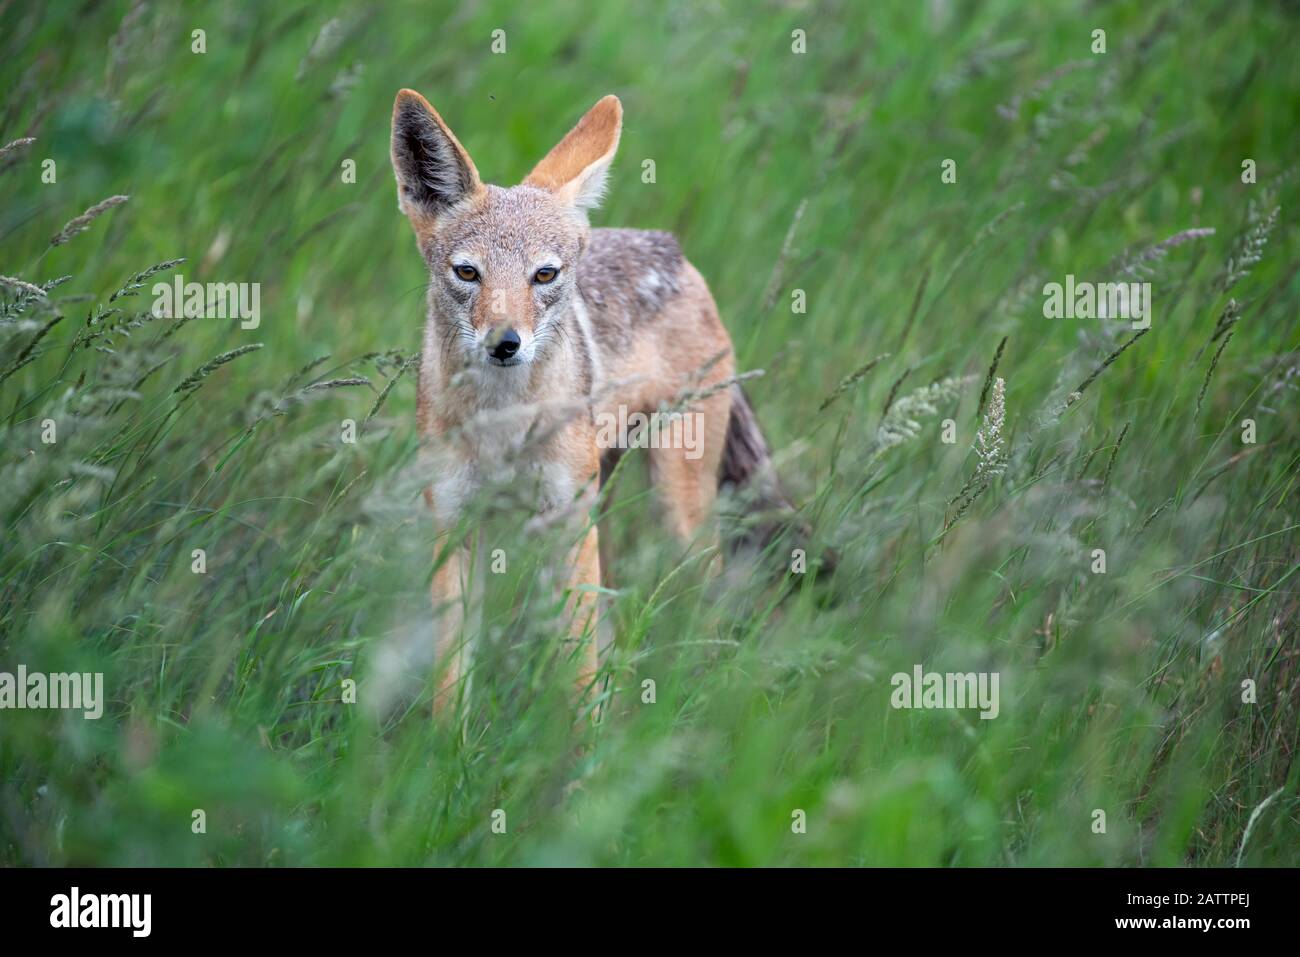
{"points": [[1119, 691]]}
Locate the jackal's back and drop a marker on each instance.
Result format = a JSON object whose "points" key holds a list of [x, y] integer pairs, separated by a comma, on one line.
{"points": [[651, 316]]}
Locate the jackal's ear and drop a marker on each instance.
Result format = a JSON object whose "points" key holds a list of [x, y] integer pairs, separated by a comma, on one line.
{"points": [[433, 170], [575, 169]]}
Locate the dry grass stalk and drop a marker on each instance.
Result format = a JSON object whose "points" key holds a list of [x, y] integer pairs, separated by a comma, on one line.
{"points": [[82, 222]]}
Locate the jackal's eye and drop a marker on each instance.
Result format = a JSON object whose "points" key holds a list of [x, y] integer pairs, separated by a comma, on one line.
{"points": [[545, 274], [466, 272]]}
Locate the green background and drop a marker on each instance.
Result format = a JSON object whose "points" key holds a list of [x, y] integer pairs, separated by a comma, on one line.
{"points": [[1120, 692]]}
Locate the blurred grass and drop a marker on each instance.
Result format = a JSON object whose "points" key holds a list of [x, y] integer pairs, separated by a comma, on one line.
{"points": [[1120, 692]]}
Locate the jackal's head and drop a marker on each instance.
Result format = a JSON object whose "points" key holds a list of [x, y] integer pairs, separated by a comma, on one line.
{"points": [[502, 262]]}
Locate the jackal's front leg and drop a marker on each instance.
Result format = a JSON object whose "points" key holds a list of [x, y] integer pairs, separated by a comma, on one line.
{"points": [[581, 611], [447, 591]]}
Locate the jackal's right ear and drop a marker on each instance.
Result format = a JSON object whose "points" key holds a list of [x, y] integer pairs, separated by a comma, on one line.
{"points": [[433, 170]]}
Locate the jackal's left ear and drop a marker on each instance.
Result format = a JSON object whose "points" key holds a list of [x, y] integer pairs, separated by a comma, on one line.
{"points": [[575, 169]]}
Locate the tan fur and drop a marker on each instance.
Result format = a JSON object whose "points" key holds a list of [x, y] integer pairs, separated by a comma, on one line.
{"points": [[628, 321]]}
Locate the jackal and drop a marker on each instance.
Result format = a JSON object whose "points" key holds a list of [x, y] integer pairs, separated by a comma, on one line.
{"points": [[532, 313]]}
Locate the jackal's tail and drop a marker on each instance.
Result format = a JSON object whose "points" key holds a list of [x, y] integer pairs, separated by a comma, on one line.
{"points": [[763, 510]]}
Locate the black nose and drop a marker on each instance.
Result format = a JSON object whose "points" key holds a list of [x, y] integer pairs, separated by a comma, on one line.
{"points": [[506, 346]]}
